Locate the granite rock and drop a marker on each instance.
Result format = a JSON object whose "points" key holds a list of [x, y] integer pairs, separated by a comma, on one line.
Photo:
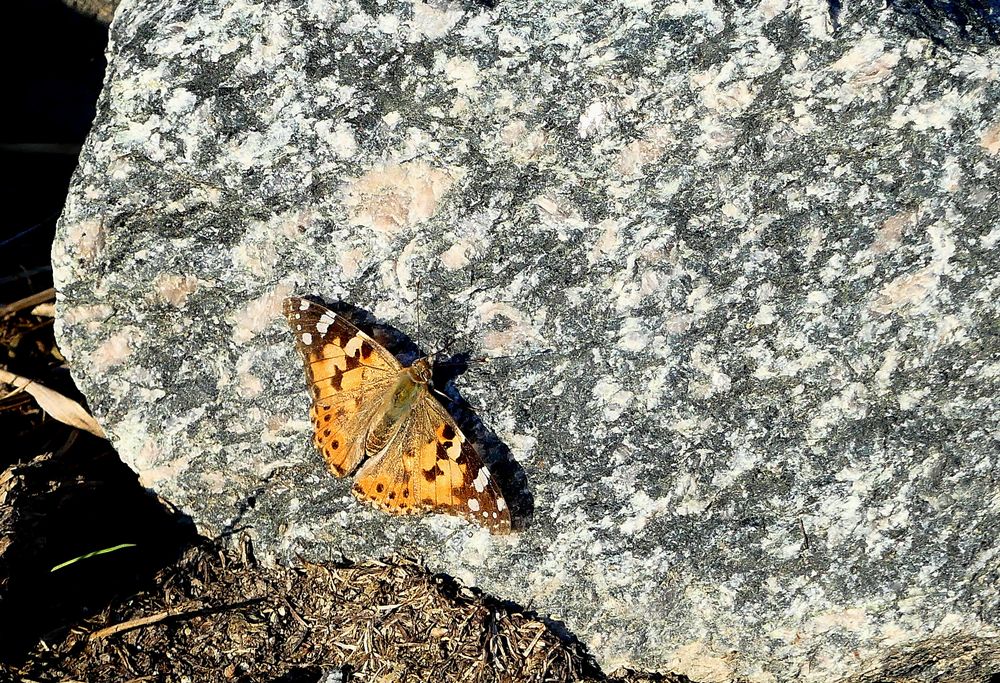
{"points": [[732, 271]]}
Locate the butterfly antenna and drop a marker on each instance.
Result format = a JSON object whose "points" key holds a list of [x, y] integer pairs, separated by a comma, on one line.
{"points": [[419, 283], [490, 359]]}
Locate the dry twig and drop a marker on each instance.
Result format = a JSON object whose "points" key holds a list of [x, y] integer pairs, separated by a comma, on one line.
{"points": [[180, 610], [28, 302]]}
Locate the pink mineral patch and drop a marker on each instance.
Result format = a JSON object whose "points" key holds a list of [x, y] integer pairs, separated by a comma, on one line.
{"points": [[396, 196]]}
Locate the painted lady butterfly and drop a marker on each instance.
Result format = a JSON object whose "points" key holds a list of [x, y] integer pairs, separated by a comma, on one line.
{"points": [[367, 405]]}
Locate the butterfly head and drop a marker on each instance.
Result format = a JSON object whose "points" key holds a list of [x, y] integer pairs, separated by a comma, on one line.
{"points": [[422, 370]]}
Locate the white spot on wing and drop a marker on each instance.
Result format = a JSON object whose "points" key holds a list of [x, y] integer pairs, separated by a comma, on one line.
{"points": [[473, 504], [481, 480], [307, 338], [324, 323], [303, 305], [501, 504], [353, 346]]}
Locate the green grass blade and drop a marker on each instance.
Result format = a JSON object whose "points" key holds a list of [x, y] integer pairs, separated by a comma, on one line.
{"points": [[93, 554]]}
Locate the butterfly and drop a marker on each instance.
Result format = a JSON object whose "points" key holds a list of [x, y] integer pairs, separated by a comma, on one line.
{"points": [[378, 420]]}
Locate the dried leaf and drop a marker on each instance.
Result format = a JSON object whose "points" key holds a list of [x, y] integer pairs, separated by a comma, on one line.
{"points": [[66, 410]]}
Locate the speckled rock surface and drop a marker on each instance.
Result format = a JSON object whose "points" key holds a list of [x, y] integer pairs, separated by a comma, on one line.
{"points": [[737, 267]]}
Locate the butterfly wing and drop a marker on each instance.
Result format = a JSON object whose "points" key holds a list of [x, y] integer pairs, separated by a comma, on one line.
{"points": [[348, 374], [429, 466]]}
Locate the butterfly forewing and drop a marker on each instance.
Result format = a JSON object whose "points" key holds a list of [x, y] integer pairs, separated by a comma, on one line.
{"points": [[426, 464], [347, 372]]}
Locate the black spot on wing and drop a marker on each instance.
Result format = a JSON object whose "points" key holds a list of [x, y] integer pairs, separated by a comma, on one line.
{"points": [[433, 473], [442, 450]]}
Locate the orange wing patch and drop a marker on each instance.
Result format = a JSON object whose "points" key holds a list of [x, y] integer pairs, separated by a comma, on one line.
{"points": [[332, 439]]}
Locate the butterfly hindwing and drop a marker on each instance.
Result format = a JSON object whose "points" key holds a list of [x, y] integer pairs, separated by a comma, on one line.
{"points": [[430, 466], [348, 373]]}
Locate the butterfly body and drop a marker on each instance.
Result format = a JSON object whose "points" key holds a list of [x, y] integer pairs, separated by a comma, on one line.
{"points": [[409, 390], [378, 420]]}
